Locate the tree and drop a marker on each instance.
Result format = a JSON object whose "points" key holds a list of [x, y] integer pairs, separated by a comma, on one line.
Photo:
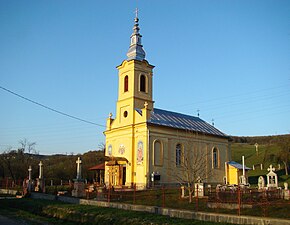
{"points": [[192, 165], [28, 146], [7, 160], [102, 147], [284, 155]]}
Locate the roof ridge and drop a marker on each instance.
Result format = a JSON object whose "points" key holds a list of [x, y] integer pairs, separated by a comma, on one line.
{"points": [[178, 113]]}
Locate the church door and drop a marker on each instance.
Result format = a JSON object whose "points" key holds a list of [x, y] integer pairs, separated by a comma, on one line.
{"points": [[124, 175]]}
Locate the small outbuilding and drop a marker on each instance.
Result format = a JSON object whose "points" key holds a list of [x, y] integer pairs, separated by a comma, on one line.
{"points": [[234, 171]]}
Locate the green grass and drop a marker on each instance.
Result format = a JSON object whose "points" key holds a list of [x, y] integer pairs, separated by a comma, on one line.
{"points": [[43, 211], [173, 200]]}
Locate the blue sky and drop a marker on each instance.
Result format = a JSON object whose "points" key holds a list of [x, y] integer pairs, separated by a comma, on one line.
{"points": [[229, 59]]}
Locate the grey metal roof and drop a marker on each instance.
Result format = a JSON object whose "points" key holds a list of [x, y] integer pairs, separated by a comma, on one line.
{"points": [[237, 165], [181, 121]]}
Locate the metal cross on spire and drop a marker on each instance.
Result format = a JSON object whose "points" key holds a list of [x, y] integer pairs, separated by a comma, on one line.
{"points": [[136, 50], [136, 12]]}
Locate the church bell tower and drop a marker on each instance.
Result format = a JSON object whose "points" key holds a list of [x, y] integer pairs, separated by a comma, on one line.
{"points": [[135, 80]]}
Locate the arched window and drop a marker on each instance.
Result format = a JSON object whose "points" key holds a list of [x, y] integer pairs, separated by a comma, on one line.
{"points": [[178, 155], [215, 158], [126, 83], [158, 154], [143, 83]]}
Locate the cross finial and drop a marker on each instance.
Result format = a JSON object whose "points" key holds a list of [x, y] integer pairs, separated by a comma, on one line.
{"points": [[79, 161], [136, 12], [271, 168]]}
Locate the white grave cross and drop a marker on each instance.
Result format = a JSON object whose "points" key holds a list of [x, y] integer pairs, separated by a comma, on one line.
{"points": [[257, 150], [271, 168], [79, 168], [29, 173], [40, 170], [272, 178]]}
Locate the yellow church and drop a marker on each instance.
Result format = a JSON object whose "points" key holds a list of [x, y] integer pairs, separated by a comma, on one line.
{"points": [[146, 146]]}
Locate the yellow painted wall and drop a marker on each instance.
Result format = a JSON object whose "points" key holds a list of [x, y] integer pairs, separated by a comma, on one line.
{"points": [[126, 131], [233, 174], [195, 146]]}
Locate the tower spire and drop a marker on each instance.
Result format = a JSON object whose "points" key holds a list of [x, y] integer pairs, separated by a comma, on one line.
{"points": [[136, 50]]}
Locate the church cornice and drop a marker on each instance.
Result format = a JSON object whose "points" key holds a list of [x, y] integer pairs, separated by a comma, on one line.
{"points": [[133, 61]]}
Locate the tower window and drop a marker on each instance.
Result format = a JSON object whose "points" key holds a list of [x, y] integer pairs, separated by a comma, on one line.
{"points": [[143, 83], [126, 84]]}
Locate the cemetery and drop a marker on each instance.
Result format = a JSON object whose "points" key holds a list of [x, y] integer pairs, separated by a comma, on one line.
{"points": [[237, 199]]}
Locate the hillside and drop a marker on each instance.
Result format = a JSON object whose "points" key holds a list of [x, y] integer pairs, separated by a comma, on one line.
{"points": [[271, 150]]}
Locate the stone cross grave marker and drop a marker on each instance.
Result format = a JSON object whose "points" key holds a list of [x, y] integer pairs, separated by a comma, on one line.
{"points": [[272, 178], [79, 168], [29, 173], [40, 170], [257, 148]]}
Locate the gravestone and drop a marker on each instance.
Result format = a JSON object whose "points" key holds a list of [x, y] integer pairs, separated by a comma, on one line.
{"points": [[257, 148], [286, 192], [30, 181], [199, 188], [261, 183], [182, 192], [40, 187], [79, 185], [272, 178], [242, 180]]}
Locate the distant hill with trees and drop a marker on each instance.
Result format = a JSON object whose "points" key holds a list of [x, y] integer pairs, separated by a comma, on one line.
{"points": [[14, 163]]}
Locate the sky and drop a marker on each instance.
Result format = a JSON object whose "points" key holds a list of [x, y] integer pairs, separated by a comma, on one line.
{"points": [[228, 59]]}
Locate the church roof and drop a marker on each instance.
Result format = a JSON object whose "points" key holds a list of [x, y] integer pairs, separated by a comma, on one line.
{"points": [[181, 121], [98, 167]]}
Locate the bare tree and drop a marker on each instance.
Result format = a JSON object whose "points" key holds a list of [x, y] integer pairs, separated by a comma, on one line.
{"points": [[28, 146], [192, 165], [102, 147]]}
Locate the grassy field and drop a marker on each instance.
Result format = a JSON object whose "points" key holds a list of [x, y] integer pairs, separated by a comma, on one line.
{"points": [[50, 212], [267, 155]]}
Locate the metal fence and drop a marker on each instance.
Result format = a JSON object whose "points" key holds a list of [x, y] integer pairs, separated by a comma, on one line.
{"points": [[235, 201]]}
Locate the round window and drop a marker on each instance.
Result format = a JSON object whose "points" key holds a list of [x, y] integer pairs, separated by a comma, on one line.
{"points": [[125, 114]]}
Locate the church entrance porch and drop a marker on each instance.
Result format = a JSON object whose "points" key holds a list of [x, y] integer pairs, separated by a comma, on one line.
{"points": [[117, 172]]}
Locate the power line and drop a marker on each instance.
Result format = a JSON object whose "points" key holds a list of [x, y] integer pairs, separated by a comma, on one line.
{"points": [[51, 109]]}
